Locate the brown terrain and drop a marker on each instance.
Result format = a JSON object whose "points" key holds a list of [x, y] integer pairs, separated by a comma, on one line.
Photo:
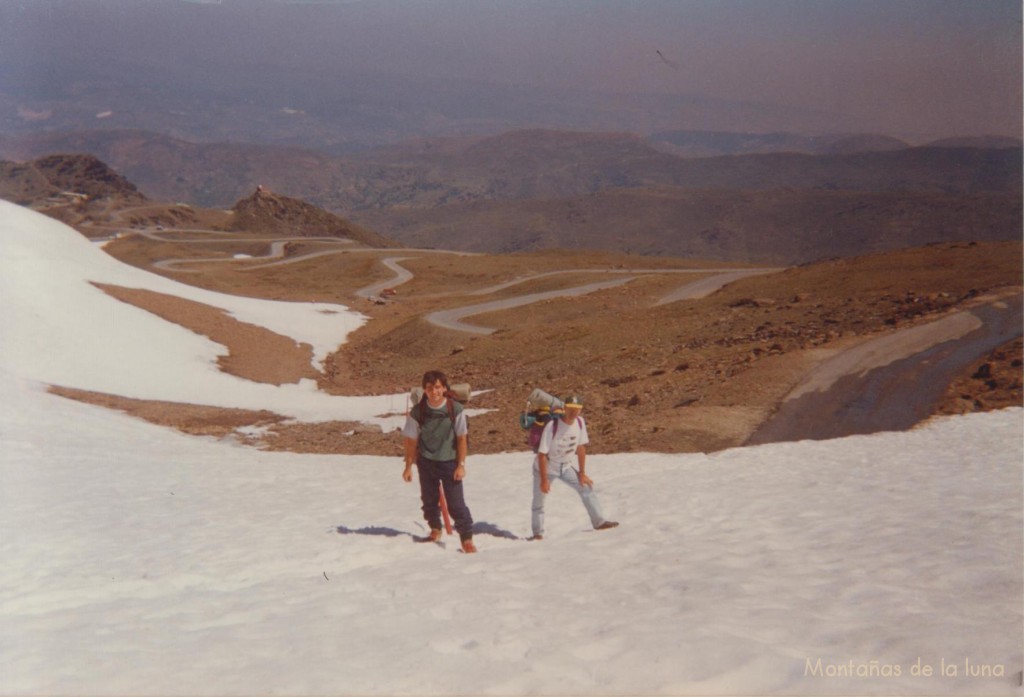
{"points": [[690, 375]]}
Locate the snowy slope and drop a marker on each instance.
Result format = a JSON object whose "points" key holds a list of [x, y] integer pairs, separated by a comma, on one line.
{"points": [[134, 559], [65, 331]]}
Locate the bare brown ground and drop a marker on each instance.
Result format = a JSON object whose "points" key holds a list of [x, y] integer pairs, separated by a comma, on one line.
{"points": [[254, 353], [690, 376], [991, 382], [193, 419], [273, 431]]}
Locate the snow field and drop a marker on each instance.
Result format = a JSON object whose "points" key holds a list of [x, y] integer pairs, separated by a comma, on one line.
{"points": [[193, 566]]}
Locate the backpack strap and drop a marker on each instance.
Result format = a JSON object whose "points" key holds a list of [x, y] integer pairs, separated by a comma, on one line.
{"points": [[419, 411]]}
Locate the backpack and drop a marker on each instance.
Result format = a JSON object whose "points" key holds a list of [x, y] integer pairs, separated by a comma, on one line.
{"points": [[535, 431], [537, 414]]}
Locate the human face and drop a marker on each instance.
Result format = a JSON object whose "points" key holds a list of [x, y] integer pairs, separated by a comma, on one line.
{"points": [[435, 393], [571, 413]]}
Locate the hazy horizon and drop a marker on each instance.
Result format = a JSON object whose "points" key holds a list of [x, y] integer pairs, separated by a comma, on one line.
{"points": [[387, 69]]}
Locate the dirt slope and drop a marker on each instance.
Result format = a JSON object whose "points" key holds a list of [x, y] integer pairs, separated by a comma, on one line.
{"points": [[690, 375]]}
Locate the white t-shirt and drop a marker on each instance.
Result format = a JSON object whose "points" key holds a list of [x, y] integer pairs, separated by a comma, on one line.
{"points": [[561, 447]]}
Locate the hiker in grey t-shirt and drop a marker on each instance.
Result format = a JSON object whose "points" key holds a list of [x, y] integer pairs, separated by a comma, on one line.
{"points": [[436, 440]]}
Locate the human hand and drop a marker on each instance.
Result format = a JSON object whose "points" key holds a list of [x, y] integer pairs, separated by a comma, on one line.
{"points": [[460, 473], [407, 473], [545, 486], [585, 480]]}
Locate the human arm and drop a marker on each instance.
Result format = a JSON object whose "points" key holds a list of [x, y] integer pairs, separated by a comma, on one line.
{"points": [[410, 458], [542, 468], [461, 449], [542, 456], [581, 455], [410, 441]]}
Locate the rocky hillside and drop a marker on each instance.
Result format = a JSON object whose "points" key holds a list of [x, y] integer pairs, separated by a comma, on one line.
{"points": [[87, 194], [86, 176], [791, 226], [24, 184], [715, 143], [541, 189], [544, 164], [265, 212], [520, 165]]}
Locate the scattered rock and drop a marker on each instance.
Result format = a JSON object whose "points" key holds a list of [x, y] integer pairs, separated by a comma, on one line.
{"points": [[984, 372], [615, 382]]}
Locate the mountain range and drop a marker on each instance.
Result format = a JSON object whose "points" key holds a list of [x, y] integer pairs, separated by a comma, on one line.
{"points": [[536, 189]]}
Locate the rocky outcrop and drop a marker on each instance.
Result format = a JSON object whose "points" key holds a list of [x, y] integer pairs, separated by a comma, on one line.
{"points": [[64, 179], [268, 213], [85, 174]]}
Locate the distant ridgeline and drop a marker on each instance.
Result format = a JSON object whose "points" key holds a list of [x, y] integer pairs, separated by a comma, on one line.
{"points": [[760, 198], [713, 143]]}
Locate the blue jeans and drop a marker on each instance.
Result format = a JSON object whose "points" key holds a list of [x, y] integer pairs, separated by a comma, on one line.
{"points": [[567, 474], [434, 474]]}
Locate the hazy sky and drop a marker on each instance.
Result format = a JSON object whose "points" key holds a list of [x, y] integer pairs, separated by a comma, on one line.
{"points": [[931, 66]]}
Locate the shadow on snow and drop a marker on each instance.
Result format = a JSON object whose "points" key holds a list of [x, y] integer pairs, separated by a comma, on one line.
{"points": [[479, 528]]}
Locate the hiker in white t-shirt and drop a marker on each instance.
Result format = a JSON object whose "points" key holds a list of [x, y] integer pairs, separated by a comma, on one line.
{"points": [[563, 447]]}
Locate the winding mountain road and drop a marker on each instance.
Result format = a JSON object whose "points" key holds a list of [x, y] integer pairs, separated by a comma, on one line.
{"points": [[402, 275], [450, 318], [706, 286], [453, 318]]}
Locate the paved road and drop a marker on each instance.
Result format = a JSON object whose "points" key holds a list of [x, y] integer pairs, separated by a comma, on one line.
{"points": [[706, 286], [452, 319], [402, 275], [891, 383]]}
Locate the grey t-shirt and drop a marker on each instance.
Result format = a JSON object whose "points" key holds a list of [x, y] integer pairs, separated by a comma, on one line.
{"points": [[435, 439]]}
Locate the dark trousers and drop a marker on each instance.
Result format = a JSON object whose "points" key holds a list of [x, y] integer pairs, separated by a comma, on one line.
{"points": [[432, 475]]}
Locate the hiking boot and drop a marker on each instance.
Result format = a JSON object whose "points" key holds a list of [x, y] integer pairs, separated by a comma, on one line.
{"points": [[536, 538], [435, 535], [468, 547], [607, 525]]}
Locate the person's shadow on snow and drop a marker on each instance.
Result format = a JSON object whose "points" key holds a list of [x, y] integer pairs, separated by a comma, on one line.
{"points": [[482, 528], [372, 530], [479, 528]]}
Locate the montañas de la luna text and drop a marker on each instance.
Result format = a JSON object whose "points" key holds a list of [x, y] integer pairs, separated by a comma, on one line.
{"points": [[876, 669]]}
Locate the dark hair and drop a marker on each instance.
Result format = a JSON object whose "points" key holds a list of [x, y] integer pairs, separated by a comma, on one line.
{"points": [[432, 376]]}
